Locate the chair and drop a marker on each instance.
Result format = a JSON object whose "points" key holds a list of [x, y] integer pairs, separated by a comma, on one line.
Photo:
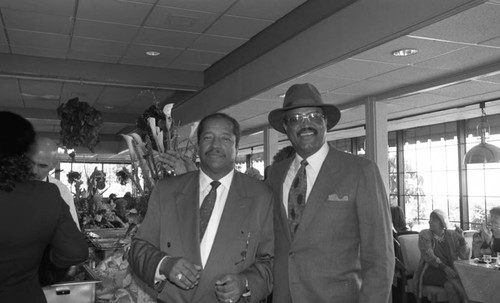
{"points": [[411, 256]]}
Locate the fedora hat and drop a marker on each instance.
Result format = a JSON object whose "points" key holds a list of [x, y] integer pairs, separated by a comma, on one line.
{"points": [[303, 95]]}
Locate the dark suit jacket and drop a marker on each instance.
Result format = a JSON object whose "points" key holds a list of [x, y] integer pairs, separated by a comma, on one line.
{"points": [[342, 250], [171, 227], [32, 217]]}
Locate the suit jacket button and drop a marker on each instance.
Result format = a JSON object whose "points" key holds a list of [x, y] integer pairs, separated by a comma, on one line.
{"points": [[168, 244]]}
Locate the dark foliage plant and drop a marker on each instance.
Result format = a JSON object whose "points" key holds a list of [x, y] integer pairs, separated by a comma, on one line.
{"points": [[80, 124]]}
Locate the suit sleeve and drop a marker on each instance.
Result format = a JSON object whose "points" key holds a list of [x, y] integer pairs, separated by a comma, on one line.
{"points": [[145, 255], [377, 251], [68, 245], [259, 274]]}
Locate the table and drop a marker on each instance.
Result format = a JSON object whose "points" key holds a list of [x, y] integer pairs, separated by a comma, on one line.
{"points": [[481, 283]]}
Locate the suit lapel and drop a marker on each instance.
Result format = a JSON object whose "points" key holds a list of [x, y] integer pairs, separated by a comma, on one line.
{"points": [[233, 216], [187, 201], [281, 171], [321, 188]]}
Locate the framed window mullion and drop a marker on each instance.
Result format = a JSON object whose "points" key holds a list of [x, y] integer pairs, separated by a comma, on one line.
{"points": [[462, 177]]}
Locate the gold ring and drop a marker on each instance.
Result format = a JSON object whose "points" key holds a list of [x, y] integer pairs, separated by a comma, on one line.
{"points": [[179, 277]]}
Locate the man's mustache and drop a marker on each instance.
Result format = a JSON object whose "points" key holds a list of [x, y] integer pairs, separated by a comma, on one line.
{"points": [[307, 129], [215, 151]]}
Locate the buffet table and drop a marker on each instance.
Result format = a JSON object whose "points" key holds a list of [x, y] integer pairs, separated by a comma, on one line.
{"points": [[481, 283]]}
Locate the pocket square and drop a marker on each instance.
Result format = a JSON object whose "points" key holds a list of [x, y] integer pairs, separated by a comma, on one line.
{"points": [[334, 197]]}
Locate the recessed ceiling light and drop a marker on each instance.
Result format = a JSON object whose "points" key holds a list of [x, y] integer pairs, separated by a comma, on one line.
{"points": [[404, 52], [152, 53], [108, 107]]}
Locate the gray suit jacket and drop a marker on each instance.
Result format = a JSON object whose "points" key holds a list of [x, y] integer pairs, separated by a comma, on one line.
{"points": [[171, 227], [342, 250]]}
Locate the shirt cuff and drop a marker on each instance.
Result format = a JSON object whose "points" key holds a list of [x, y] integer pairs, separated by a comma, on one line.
{"points": [[159, 277]]}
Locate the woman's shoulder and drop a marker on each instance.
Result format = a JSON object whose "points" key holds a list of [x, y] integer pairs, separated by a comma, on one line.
{"points": [[425, 233]]}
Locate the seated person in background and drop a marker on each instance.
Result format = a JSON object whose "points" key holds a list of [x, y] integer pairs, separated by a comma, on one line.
{"points": [[34, 218], [439, 248], [399, 222], [487, 240]]}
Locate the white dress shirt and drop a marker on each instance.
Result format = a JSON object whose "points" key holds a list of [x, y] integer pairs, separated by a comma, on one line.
{"points": [[315, 161], [220, 202], [213, 224], [67, 196]]}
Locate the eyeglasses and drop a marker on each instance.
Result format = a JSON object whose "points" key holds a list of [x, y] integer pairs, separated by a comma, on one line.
{"points": [[313, 117]]}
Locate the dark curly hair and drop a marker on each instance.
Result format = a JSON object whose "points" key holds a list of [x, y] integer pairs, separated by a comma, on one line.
{"points": [[18, 136], [14, 169]]}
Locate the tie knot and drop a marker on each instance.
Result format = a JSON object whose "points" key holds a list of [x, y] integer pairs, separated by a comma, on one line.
{"points": [[303, 163], [215, 184]]}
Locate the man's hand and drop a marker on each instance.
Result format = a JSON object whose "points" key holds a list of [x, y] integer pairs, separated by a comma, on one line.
{"points": [[230, 288], [173, 161], [459, 232], [181, 272]]}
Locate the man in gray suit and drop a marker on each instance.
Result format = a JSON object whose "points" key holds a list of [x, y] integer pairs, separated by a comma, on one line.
{"points": [[333, 240]]}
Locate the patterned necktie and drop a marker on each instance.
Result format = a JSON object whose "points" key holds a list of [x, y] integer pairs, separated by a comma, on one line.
{"points": [[297, 198], [207, 207]]}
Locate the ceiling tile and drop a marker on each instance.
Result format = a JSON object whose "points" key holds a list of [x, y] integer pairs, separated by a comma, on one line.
{"points": [[37, 22], [212, 6], [217, 43], [464, 58], [188, 66], [367, 88], [323, 84], [180, 19], [199, 57], [4, 48], [84, 92], [124, 12], [38, 40], [238, 27], [40, 90], [337, 98], [264, 9], [160, 37], [116, 96], [41, 103], [492, 42], [92, 56], [411, 75], [474, 25], [11, 96], [39, 52], [108, 48], [136, 55], [105, 31], [419, 100], [356, 69], [51, 7], [466, 89], [427, 49]]}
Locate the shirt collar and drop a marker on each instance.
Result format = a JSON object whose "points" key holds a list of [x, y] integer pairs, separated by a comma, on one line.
{"points": [[225, 181], [315, 160]]}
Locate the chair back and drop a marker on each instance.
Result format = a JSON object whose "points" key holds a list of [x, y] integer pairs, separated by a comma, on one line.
{"points": [[468, 235], [410, 252]]}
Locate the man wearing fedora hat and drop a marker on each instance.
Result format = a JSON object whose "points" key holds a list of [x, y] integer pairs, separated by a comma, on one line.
{"points": [[332, 225]]}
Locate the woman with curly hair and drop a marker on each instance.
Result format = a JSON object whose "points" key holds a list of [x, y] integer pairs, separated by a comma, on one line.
{"points": [[33, 216]]}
